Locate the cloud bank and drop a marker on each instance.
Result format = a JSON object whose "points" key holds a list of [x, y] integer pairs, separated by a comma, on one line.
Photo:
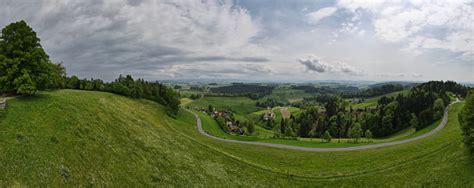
{"points": [[133, 36], [228, 39]]}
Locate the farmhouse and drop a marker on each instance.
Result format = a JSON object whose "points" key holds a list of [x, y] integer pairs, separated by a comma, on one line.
{"points": [[269, 115]]}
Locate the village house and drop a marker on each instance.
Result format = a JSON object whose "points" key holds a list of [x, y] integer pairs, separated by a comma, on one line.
{"points": [[269, 115]]}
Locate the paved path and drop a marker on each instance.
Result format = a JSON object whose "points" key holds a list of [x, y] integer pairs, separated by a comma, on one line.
{"points": [[440, 126]]}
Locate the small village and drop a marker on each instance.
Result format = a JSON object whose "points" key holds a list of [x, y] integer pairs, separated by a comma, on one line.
{"points": [[224, 119]]}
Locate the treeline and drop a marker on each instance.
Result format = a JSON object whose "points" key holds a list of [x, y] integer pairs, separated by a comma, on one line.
{"points": [[127, 86], [423, 106], [375, 91], [252, 91], [466, 118], [270, 102], [25, 69]]}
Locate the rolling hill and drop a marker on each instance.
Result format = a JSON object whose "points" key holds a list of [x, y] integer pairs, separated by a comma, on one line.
{"points": [[84, 138]]}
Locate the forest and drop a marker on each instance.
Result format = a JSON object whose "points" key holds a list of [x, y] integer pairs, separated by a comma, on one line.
{"points": [[253, 91], [327, 89], [375, 91]]}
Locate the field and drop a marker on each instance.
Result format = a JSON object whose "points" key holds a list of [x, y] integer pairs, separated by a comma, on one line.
{"points": [[81, 138], [240, 105], [286, 94]]}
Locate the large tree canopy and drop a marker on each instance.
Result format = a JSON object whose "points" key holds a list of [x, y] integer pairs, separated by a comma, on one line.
{"points": [[467, 121], [25, 67]]}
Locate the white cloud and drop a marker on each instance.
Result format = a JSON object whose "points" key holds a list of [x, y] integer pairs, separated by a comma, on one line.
{"points": [[318, 15], [423, 25]]}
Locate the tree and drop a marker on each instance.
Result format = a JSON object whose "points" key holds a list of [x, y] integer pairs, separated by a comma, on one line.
{"points": [[210, 109], [466, 118], [289, 132], [58, 77], [438, 108], [331, 107], [269, 124], [414, 121], [368, 135], [386, 123], [25, 67], [327, 137], [250, 127], [283, 125], [425, 118], [355, 132], [73, 83]]}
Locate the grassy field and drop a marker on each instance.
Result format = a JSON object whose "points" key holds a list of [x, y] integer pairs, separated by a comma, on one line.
{"points": [[286, 94], [79, 138], [241, 105], [185, 101]]}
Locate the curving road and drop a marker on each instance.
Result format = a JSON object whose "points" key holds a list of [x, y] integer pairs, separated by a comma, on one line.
{"points": [[440, 126]]}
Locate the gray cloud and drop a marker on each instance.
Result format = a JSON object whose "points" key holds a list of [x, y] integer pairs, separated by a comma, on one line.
{"points": [[315, 64], [106, 38]]}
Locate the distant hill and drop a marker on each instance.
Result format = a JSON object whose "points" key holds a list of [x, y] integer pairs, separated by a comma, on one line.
{"points": [[404, 84]]}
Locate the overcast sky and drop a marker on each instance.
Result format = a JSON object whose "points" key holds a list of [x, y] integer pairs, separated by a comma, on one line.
{"points": [[258, 39]]}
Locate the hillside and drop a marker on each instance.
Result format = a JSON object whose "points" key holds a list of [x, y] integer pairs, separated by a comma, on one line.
{"points": [[71, 137]]}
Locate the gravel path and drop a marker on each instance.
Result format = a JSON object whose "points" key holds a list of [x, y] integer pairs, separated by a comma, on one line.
{"points": [[440, 126]]}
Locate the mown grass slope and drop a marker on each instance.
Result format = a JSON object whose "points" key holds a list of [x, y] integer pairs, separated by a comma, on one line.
{"points": [[81, 138], [71, 137]]}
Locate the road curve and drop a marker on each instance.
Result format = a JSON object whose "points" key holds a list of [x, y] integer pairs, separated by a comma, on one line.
{"points": [[386, 144]]}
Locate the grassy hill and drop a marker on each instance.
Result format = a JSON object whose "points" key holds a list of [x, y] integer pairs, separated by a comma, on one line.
{"points": [[80, 138]]}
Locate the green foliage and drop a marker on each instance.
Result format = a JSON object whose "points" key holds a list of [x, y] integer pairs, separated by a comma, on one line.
{"points": [[355, 132], [438, 108], [252, 91], [327, 136], [250, 127], [414, 121], [25, 67], [376, 91], [466, 118], [368, 135], [210, 108]]}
